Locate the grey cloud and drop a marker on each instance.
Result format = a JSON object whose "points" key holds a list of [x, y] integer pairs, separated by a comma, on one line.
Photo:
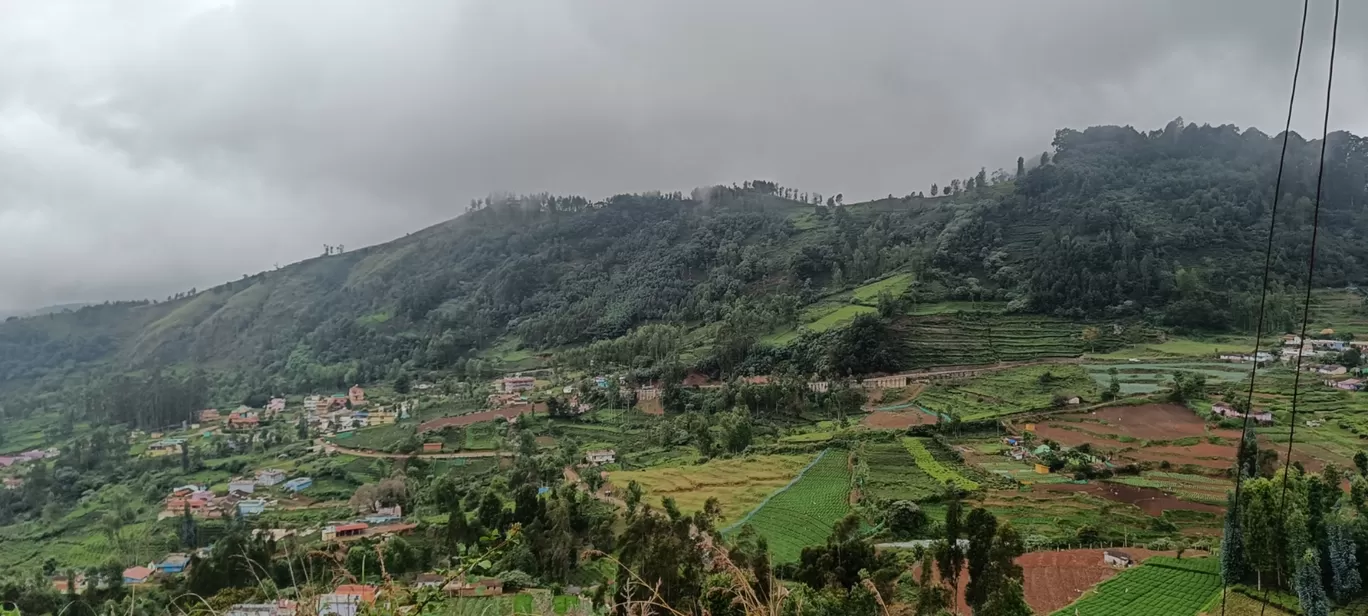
{"points": [[148, 146]]}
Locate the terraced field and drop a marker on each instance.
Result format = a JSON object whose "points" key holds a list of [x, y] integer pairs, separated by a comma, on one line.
{"points": [[894, 475], [804, 514], [981, 338], [938, 472], [1009, 391]]}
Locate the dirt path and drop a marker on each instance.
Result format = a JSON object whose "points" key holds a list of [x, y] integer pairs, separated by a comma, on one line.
{"points": [[367, 453]]}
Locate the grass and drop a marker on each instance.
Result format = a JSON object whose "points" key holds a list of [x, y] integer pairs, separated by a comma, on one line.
{"points": [[1183, 347], [932, 467], [1161, 587], [895, 285], [1340, 310], [739, 483], [804, 514]]}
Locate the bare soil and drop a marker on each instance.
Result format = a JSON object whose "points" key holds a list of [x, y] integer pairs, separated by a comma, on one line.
{"points": [[508, 412], [1150, 500]]}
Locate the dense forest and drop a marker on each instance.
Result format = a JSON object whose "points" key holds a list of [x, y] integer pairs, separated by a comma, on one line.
{"points": [[1166, 226]]}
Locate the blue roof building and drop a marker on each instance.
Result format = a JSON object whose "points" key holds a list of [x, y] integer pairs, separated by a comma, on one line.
{"points": [[298, 484]]}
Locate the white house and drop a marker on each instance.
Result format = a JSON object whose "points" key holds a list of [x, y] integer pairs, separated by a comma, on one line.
{"points": [[601, 456], [1117, 558], [242, 486], [270, 477]]}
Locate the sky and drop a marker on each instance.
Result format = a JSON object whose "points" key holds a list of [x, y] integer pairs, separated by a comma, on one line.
{"points": [[151, 146]]}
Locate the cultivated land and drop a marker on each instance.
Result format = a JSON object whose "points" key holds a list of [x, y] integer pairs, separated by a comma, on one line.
{"points": [[1161, 586], [803, 514], [739, 484]]}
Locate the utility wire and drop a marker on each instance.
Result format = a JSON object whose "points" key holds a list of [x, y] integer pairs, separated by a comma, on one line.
{"points": [[1306, 303], [1268, 261]]}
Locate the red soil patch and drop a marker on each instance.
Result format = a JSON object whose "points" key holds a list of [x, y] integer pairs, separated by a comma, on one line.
{"points": [[1056, 579], [1151, 501], [886, 420], [1151, 422], [651, 407], [508, 412]]}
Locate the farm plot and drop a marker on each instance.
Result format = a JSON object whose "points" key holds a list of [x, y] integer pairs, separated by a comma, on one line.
{"points": [[1009, 391], [1162, 586], [894, 474], [740, 484], [933, 467], [804, 514], [981, 338], [1152, 377]]}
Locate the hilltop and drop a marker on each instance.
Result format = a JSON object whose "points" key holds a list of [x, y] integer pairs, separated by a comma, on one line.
{"points": [[1164, 227]]}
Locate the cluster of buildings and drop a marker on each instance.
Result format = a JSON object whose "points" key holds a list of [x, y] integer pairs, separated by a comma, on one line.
{"points": [[240, 498], [27, 457]]}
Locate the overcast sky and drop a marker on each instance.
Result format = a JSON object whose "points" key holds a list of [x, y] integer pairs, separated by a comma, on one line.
{"points": [[148, 146]]}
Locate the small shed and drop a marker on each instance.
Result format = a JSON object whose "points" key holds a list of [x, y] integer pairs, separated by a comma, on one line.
{"points": [[1117, 558]]}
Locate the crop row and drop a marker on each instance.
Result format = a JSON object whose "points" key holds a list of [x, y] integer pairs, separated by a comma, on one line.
{"points": [[894, 475], [804, 514], [928, 463], [1161, 587]]}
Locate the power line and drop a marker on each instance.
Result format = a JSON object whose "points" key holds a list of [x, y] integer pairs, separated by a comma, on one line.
{"points": [[1268, 260], [1310, 273]]}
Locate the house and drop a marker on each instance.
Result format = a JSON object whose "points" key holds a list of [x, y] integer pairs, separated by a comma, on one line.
{"points": [[1332, 370], [209, 416], [270, 477], [1117, 558], [63, 584], [174, 563], [356, 395], [7, 461], [243, 420], [1225, 410], [312, 403], [1349, 385], [480, 587], [382, 417], [13, 483], [1072, 400], [432, 447], [137, 575], [756, 380], [361, 591], [429, 580], [283, 607], [165, 447], [343, 531], [298, 484], [346, 600], [517, 383], [276, 405], [1041, 469], [1041, 450], [251, 506], [600, 456], [242, 486]]}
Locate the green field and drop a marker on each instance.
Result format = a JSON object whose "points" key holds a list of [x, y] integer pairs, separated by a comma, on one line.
{"points": [[932, 467], [739, 483], [894, 475], [1009, 391], [1154, 376], [1183, 347], [1161, 587], [895, 285], [804, 514], [1343, 311]]}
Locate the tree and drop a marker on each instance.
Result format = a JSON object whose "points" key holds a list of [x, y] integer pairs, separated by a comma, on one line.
{"points": [[188, 530], [1232, 546], [1090, 334], [1044, 158], [931, 598], [1361, 463], [1021, 167], [1310, 592], [402, 383], [906, 520], [949, 555], [934, 189], [1344, 565], [981, 527], [981, 180], [457, 528]]}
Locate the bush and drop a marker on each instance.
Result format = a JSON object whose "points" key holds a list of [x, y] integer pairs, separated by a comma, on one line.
{"points": [[1160, 545], [515, 580]]}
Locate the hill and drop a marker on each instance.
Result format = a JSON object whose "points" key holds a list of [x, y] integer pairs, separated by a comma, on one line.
{"points": [[1165, 226]]}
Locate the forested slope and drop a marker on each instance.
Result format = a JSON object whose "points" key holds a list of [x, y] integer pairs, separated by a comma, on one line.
{"points": [[1115, 224]]}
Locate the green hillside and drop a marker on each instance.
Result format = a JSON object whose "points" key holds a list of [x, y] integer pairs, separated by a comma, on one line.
{"points": [[1118, 226]]}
